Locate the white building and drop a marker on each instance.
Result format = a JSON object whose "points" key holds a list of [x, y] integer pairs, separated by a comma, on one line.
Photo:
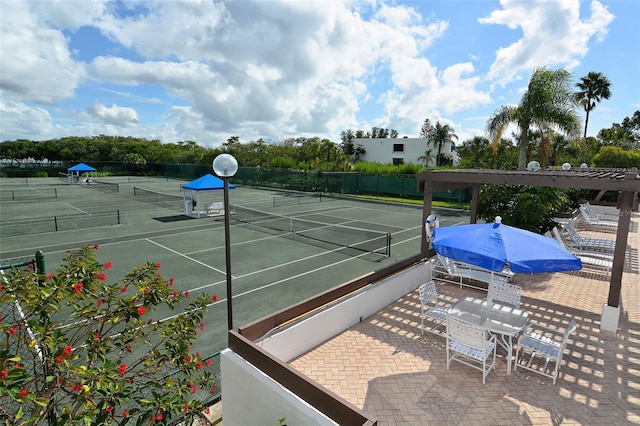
{"points": [[402, 150]]}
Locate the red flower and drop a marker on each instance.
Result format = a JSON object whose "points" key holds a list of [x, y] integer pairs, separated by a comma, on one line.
{"points": [[141, 310], [208, 362], [201, 326], [51, 275], [124, 289], [187, 293], [187, 359], [77, 287], [214, 389], [97, 336], [194, 388], [122, 369], [214, 297], [200, 365], [59, 359], [13, 331], [158, 417], [76, 387], [30, 266], [175, 293], [96, 247], [4, 374], [158, 275], [107, 265], [23, 393], [186, 408], [109, 409], [207, 410], [158, 265], [171, 281], [102, 276], [99, 303], [127, 348], [125, 413], [67, 350], [18, 367], [58, 381]]}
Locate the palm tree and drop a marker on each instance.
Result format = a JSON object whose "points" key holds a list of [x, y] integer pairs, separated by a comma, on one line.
{"points": [[547, 104], [427, 157], [593, 88], [440, 135]]}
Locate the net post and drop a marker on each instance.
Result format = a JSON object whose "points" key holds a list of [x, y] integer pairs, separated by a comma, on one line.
{"points": [[40, 266], [118, 212]]}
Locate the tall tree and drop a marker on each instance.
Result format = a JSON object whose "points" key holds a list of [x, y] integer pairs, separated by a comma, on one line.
{"points": [[442, 134], [548, 104], [594, 87]]}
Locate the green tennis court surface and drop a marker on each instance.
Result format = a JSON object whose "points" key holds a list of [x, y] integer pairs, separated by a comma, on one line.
{"points": [[285, 247]]}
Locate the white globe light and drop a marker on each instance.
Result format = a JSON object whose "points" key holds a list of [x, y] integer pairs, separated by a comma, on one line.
{"points": [[225, 165], [566, 166], [533, 166], [584, 165]]}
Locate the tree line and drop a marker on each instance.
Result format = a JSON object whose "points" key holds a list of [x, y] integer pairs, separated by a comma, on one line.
{"points": [[546, 120]]}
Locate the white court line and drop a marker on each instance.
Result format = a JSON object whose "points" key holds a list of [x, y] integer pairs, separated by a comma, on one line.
{"points": [[221, 300], [185, 256], [74, 207]]}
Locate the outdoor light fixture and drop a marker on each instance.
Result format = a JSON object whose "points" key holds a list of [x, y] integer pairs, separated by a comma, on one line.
{"points": [[566, 166], [584, 165], [533, 166], [226, 166]]}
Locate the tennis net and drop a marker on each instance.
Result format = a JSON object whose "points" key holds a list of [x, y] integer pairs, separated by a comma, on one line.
{"points": [[101, 185], [354, 240], [159, 198]]}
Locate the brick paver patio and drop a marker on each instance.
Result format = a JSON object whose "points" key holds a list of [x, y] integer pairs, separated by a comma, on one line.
{"points": [[386, 367]]}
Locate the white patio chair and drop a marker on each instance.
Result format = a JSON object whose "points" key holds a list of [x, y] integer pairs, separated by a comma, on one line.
{"points": [[586, 243], [596, 223], [430, 308], [606, 213], [470, 345], [546, 343], [597, 261], [504, 292], [461, 270]]}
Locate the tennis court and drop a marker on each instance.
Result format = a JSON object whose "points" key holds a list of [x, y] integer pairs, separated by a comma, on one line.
{"points": [[286, 246]]}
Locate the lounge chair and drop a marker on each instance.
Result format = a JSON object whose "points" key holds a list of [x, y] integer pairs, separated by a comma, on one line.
{"points": [[587, 243], [592, 260], [592, 222], [460, 271]]}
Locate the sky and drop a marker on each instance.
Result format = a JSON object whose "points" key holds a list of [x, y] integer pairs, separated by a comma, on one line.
{"points": [[206, 70]]}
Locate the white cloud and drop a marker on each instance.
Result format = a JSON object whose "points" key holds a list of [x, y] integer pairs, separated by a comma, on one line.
{"points": [[35, 61], [553, 34], [114, 115], [24, 121]]}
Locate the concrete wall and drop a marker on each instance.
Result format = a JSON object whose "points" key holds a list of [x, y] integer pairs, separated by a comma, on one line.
{"points": [[252, 398]]}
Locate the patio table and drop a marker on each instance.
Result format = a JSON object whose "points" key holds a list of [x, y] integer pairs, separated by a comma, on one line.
{"points": [[503, 321]]}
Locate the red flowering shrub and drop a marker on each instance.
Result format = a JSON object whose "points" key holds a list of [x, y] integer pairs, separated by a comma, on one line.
{"points": [[78, 350]]}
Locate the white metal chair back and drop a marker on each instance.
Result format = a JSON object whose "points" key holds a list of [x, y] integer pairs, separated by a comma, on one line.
{"points": [[471, 345], [504, 292], [570, 228], [546, 345], [430, 309]]}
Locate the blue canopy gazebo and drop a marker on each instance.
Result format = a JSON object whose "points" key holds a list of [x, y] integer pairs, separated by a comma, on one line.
{"points": [[75, 172], [193, 207]]}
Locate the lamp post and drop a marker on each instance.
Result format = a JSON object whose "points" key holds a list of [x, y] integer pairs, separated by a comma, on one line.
{"points": [[225, 166]]}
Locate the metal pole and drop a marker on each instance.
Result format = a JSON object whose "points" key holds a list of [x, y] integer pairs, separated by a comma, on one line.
{"points": [[227, 245]]}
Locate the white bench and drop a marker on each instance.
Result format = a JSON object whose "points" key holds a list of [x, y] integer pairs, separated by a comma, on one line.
{"points": [[214, 208]]}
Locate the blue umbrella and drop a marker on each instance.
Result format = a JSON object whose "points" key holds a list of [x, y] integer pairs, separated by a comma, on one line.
{"points": [[494, 245]]}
